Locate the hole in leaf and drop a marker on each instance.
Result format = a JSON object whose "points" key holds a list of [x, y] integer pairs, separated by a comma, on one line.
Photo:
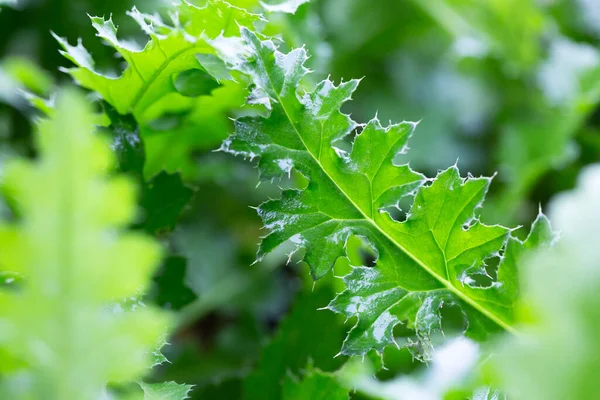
{"points": [[467, 225], [194, 83], [368, 257], [368, 254], [344, 144], [453, 320], [483, 276], [401, 210], [295, 180], [360, 252]]}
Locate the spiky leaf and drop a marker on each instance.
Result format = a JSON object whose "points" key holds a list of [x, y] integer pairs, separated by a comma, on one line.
{"points": [[149, 87], [421, 262]]}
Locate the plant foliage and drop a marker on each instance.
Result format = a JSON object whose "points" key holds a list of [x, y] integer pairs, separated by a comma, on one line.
{"points": [[424, 262], [64, 325], [156, 81], [557, 350], [116, 209]]}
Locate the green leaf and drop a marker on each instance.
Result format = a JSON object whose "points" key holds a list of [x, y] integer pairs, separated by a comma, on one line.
{"points": [[148, 88], [303, 29], [557, 352], [171, 289], [163, 200], [197, 124], [494, 27], [293, 346], [423, 262], [171, 50], [542, 138], [19, 75], [28, 74], [314, 385], [163, 197], [65, 323], [165, 391]]}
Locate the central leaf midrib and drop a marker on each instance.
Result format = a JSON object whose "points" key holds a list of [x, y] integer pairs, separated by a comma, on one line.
{"points": [[443, 281]]}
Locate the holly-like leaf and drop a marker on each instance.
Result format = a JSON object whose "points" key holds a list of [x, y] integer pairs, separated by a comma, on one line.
{"points": [[153, 84], [172, 49], [66, 322], [422, 262]]}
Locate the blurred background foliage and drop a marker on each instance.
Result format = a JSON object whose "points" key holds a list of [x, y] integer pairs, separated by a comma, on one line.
{"points": [[503, 86]]}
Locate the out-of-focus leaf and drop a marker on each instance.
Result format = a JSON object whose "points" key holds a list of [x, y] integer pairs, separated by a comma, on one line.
{"points": [[19, 75], [28, 74], [165, 391], [197, 124], [163, 200], [165, 196], [172, 292], [535, 143], [515, 37], [77, 265], [294, 346], [557, 352], [314, 385], [8, 3]]}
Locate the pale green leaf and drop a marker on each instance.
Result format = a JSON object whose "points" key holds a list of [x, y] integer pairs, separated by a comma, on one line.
{"points": [[423, 263], [18, 75], [165, 391], [557, 353], [492, 27], [542, 139], [67, 324]]}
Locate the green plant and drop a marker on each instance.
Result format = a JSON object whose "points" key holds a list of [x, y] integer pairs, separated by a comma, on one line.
{"points": [[73, 310], [97, 278], [427, 260]]}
